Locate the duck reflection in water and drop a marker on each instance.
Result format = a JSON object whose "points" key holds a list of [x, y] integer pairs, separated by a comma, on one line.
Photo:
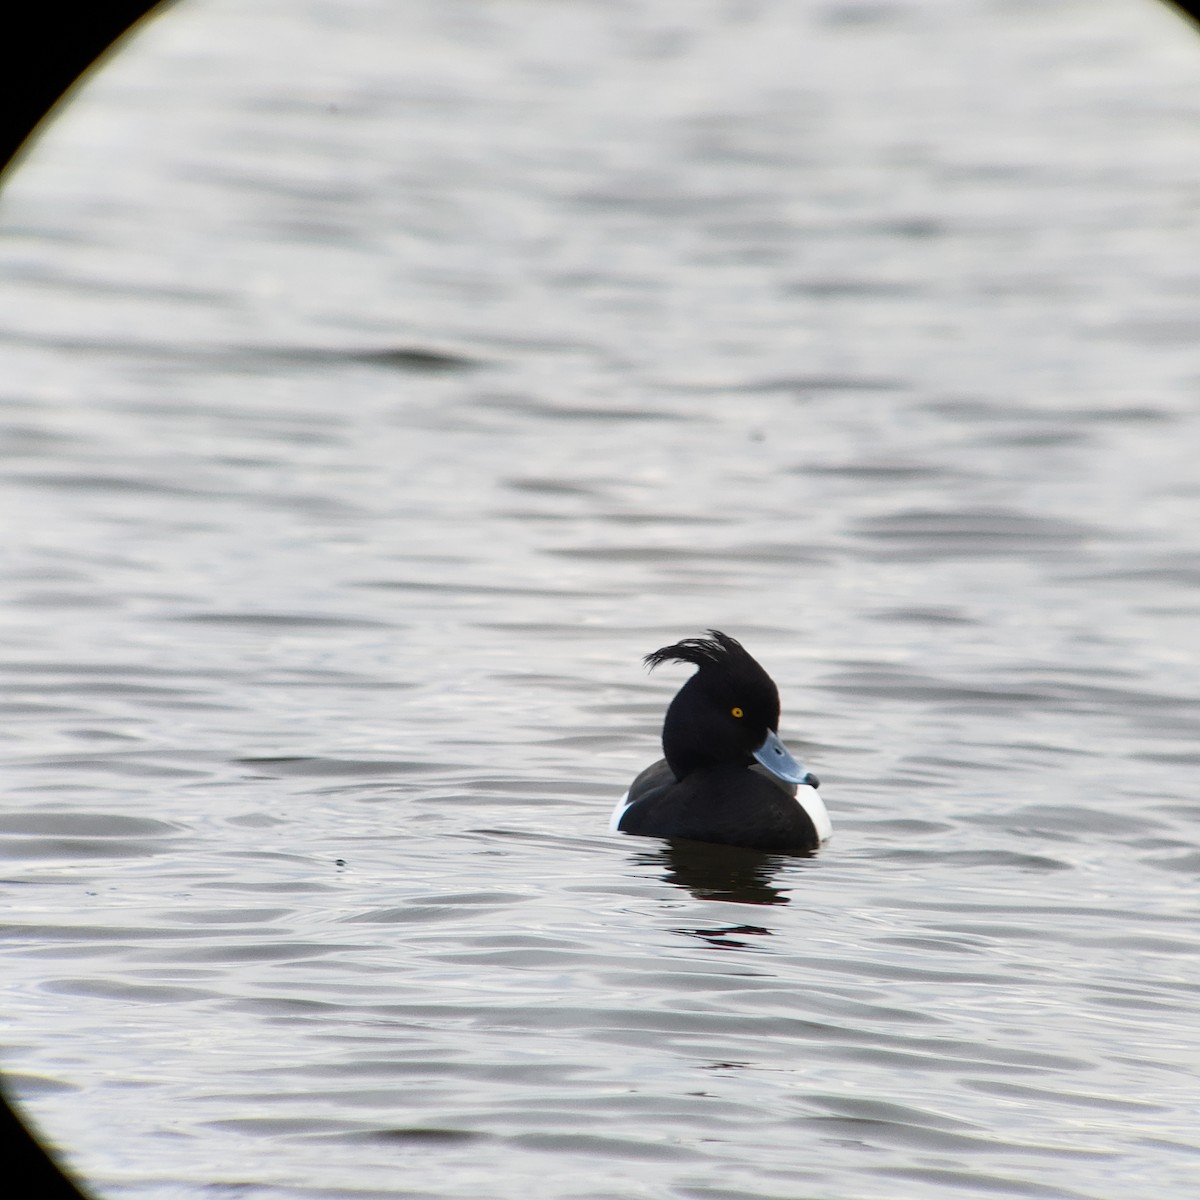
{"points": [[713, 872]]}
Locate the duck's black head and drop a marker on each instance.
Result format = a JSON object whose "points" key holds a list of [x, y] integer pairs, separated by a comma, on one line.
{"points": [[727, 713]]}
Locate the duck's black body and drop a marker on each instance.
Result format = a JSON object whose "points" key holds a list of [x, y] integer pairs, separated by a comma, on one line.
{"points": [[736, 806], [726, 777]]}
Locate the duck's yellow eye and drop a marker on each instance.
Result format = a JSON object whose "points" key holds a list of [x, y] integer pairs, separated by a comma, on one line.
{"points": [[737, 712]]}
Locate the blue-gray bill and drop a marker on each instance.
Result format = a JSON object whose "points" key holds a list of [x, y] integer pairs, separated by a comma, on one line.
{"points": [[774, 755]]}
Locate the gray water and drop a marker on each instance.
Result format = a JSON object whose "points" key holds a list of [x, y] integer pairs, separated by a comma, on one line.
{"points": [[382, 380]]}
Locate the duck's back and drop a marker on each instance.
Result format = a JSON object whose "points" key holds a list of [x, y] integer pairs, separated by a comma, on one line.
{"points": [[732, 805]]}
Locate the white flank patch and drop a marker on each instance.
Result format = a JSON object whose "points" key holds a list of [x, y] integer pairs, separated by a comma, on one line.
{"points": [[619, 812], [810, 800]]}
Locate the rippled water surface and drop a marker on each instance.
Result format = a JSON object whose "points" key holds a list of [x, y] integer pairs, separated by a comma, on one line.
{"points": [[381, 381]]}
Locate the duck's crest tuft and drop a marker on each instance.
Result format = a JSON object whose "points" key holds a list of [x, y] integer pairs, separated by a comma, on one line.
{"points": [[716, 650]]}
